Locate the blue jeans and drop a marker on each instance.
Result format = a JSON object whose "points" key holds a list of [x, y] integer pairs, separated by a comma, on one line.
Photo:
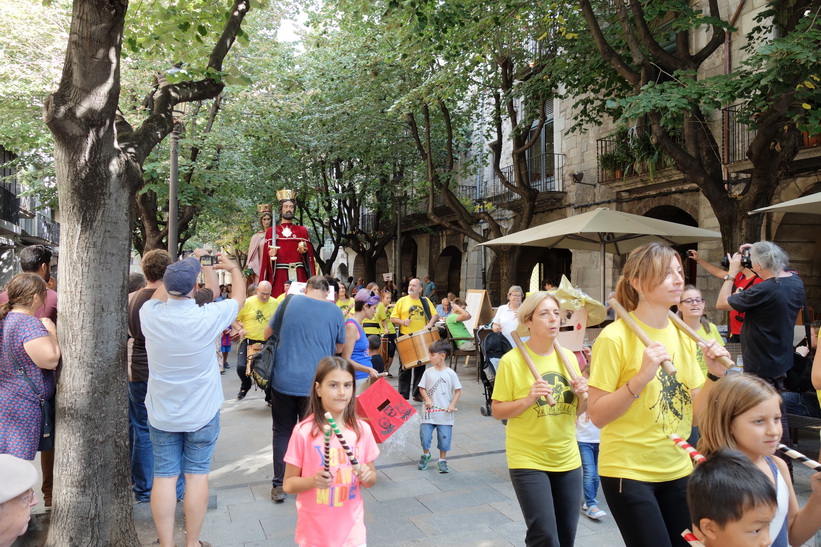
{"points": [[590, 469], [802, 404], [140, 448], [184, 452], [444, 433]]}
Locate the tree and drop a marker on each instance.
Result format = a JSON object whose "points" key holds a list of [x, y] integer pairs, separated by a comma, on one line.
{"points": [[644, 66], [98, 157]]}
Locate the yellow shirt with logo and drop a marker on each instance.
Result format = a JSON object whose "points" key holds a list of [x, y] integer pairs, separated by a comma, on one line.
{"points": [[345, 305], [712, 335], [636, 445], [255, 315], [541, 437], [410, 308], [378, 317]]}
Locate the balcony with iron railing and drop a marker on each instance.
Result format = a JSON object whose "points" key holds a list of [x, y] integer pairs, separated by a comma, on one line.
{"points": [[737, 135], [631, 153], [41, 227], [545, 174]]}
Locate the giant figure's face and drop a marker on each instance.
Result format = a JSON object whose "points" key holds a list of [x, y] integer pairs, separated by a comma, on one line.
{"points": [[287, 208]]}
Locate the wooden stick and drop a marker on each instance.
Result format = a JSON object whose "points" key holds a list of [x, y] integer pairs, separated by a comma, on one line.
{"points": [[798, 456], [691, 538], [533, 370], [667, 366], [568, 366], [697, 456], [688, 330], [327, 430], [342, 441]]}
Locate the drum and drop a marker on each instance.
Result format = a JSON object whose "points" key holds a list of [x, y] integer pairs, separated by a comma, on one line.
{"points": [[413, 348], [383, 350]]}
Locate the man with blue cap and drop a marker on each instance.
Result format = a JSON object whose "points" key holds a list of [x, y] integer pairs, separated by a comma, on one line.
{"points": [[184, 391]]}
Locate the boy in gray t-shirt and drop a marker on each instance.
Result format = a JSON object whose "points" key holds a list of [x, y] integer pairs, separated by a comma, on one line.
{"points": [[440, 389]]}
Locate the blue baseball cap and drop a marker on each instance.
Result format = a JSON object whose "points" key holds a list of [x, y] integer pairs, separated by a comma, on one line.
{"points": [[180, 277]]}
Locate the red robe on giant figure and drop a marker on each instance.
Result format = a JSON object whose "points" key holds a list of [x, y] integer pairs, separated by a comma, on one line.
{"points": [[288, 258]]}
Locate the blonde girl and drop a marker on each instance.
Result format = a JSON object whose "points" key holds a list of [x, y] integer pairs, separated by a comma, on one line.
{"points": [[744, 414], [637, 405], [329, 505]]}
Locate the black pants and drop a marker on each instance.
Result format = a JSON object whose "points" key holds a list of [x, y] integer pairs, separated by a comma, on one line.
{"points": [[550, 504], [286, 412], [242, 359], [409, 380], [648, 514]]}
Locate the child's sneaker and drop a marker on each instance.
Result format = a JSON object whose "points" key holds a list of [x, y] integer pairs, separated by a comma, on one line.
{"points": [[594, 512], [423, 462], [443, 466]]}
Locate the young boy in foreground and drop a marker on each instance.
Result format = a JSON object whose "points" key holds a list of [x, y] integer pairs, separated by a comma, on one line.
{"points": [[440, 389], [731, 502]]}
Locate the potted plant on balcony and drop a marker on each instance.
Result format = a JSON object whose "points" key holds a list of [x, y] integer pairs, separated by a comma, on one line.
{"points": [[645, 153], [619, 158]]}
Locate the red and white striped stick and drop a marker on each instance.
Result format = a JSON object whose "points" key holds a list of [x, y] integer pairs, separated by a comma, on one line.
{"points": [[691, 538], [687, 447]]}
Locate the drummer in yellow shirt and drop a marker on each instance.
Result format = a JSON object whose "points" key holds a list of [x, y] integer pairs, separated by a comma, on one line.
{"points": [[411, 314], [637, 405], [540, 440]]}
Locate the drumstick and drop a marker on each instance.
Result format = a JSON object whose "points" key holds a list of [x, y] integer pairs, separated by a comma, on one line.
{"points": [[798, 456], [342, 441], [533, 370], [691, 538], [687, 447], [327, 429], [666, 365], [688, 330], [568, 366]]}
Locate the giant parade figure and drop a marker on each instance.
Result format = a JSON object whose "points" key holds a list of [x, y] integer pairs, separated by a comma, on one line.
{"points": [[287, 248]]}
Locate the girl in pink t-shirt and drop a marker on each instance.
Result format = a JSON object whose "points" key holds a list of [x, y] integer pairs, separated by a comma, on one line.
{"points": [[329, 506]]}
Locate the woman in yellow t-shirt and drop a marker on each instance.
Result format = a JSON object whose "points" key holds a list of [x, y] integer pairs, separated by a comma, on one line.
{"points": [[691, 308], [637, 405], [540, 440], [344, 300]]}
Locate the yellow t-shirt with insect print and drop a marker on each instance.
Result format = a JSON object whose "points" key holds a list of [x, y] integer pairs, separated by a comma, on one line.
{"points": [[636, 445], [542, 437], [410, 308]]}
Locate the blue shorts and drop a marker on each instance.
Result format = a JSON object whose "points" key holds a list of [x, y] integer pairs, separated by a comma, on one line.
{"points": [[443, 436], [225, 349], [189, 453]]}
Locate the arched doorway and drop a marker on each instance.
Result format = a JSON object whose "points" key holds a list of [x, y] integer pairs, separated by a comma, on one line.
{"points": [[800, 237], [358, 268], [538, 265], [407, 257], [671, 213], [448, 272], [381, 267]]}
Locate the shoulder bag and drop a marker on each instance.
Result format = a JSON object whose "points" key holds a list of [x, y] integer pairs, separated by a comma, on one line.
{"points": [[264, 362]]}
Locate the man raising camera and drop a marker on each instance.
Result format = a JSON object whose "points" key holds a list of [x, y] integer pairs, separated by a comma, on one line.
{"points": [[771, 308]]}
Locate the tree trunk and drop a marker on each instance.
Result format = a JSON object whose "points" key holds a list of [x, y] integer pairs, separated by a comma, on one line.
{"points": [[92, 498]]}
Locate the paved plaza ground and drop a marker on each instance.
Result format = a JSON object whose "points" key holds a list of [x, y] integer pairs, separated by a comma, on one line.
{"points": [[473, 505]]}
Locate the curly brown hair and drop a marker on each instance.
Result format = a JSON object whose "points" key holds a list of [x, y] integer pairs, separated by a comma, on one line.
{"points": [[154, 264]]}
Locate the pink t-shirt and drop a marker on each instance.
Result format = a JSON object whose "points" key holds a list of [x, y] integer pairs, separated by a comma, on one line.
{"points": [[334, 516]]}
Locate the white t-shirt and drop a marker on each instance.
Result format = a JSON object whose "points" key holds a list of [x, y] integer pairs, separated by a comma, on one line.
{"points": [[184, 388], [586, 431], [509, 320], [440, 386]]}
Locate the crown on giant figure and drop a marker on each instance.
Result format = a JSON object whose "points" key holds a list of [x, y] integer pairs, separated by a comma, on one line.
{"points": [[264, 208], [286, 195]]}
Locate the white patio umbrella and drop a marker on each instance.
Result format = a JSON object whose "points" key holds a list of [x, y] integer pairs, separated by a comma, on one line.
{"points": [[606, 231], [805, 204]]}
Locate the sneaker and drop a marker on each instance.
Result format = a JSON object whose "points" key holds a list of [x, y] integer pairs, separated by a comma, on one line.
{"points": [[423, 462], [241, 395], [227, 366], [443, 466], [278, 494], [594, 512]]}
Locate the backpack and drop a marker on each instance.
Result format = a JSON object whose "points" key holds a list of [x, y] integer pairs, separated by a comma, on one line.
{"points": [[264, 362]]}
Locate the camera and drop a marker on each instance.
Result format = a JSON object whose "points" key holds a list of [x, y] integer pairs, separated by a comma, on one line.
{"points": [[746, 262], [208, 260]]}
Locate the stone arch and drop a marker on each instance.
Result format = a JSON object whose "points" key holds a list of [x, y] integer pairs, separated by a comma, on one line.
{"points": [[671, 213], [382, 266], [407, 256], [800, 237], [541, 264], [448, 272]]}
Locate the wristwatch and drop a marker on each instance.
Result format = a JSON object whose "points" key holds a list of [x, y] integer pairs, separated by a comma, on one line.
{"points": [[728, 277]]}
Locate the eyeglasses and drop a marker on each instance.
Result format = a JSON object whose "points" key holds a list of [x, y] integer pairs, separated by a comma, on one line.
{"points": [[29, 498], [691, 301]]}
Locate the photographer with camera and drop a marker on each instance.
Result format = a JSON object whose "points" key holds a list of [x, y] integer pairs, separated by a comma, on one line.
{"points": [[771, 308], [745, 279]]}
